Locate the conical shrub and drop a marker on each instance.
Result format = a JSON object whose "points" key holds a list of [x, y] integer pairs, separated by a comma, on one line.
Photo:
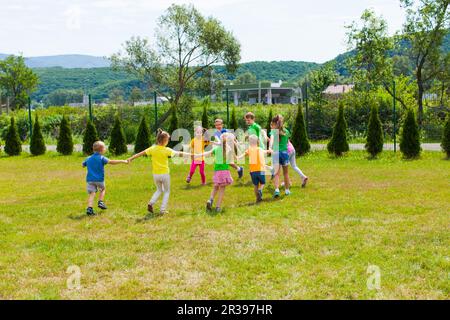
{"points": [[142, 137], [374, 143], [118, 143], [269, 121], [37, 143], [65, 142], [173, 125], [338, 143], [90, 136], [233, 120], [13, 146], [299, 135], [410, 136], [445, 144], [205, 120]]}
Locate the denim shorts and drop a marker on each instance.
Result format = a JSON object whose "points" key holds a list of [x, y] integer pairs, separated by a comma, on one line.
{"points": [[258, 177], [281, 158], [93, 187]]}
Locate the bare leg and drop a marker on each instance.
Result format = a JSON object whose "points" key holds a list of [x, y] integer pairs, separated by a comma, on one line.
{"points": [[220, 194], [256, 189], [276, 179], [234, 165], [91, 198], [101, 197], [213, 192], [287, 182]]}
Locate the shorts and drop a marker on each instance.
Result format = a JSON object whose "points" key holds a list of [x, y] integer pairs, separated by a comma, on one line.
{"points": [[281, 158], [258, 177], [222, 178], [93, 187]]}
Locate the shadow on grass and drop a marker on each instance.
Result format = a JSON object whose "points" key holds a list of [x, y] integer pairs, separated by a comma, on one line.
{"points": [[149, 217], [81, 217], [197, 186]]}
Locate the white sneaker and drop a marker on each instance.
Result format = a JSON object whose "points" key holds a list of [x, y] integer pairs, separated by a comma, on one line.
{"points": [[287, 192]]}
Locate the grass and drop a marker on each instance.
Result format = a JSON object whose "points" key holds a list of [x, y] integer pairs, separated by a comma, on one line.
{"points": [[316, 243]]}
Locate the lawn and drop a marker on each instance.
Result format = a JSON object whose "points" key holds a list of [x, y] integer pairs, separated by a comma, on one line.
{"points": [[317, 243]]}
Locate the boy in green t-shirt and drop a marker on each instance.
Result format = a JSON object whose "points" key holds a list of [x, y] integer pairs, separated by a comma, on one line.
{"points": [[255, 129]]}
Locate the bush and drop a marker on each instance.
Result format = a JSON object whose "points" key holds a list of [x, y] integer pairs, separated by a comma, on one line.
{"points": [[143, 137], [118, 143], [410, 136], [299, 135], [13, 145], [173, 125], [90, 136], [37, 143], [445, 144], [205, 121], [338, 143], [233, 121], [65, 142], [269, 120], [374, 144]]}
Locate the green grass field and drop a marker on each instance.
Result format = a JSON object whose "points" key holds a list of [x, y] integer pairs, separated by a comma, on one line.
{"points": [[316, 243]]}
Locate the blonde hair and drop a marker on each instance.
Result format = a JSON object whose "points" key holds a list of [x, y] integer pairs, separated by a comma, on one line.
{"points": [[98, 146], [162, 136], [253, 139], [250, 115]]}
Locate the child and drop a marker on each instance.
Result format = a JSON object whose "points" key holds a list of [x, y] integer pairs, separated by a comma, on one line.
{"points": [[279, 137], [198, 145], [160, 166], [222, 177], [95, 177], [293, 163], [254, 128], [257, 165], [218, 124]]}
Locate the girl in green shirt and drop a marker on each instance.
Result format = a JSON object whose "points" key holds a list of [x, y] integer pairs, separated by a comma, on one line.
{"points": [[279, 138]]}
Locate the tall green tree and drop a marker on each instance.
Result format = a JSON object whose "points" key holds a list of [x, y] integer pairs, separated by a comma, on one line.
{"points": [[205, 120], [118, 144], [269, 121], [173, 125], [65, 142], [299, 135], [17, 80], [233, 121], [318, 80], [135, 95], [89, 137], [142, 137], [13, 145], [338, 144], [410, 136], [374, 143], [187, 44], [37, 143], [427, 23], [445, 144]]}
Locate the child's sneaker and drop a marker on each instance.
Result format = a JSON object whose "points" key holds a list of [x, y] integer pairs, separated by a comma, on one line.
{"points": [[188, 179], [218, 210], [276, 194], [102, 205], [163, 212], [150, 208], [240, 172], [90, 211], [209, 204], [304, 182], [287, 192]]}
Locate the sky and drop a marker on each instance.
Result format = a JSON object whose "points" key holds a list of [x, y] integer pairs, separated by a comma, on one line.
{"points": [[268, 30]]}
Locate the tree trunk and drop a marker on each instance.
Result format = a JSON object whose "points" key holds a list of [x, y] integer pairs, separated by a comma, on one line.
{"points": [[420, 93]]}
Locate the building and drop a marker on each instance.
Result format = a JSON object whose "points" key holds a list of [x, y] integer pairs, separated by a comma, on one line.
{"points": [[265, 92], [334, 91]]}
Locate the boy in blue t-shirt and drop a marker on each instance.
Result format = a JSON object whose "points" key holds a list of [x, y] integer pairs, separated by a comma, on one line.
{"points": [[95, 177]]}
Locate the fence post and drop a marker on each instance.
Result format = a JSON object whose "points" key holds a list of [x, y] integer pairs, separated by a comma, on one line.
{"points": [[156, 110], [228, 109], [90, 107], [29, 117], [394, 117]]}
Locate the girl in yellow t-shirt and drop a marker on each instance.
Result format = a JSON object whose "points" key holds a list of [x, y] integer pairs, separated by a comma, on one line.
{"points": [[198, 144], [160, 154]]}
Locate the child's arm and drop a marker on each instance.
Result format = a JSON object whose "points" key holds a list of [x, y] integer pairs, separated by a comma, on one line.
{"points": [[242, 155], [137, 155], [181, 154], [204, 154], [113, 162]]}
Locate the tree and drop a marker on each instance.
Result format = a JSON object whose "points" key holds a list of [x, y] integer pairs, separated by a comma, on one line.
{"points": [[187, 44], [90, 136], [65, 142], [117, 145], [245, 78], [142, 137], [338, 143], [269, 121], [205, 121], [116, 96], [13, 146], [374, 143], [62, 97], [427, 22], [319, 80], [37, 143], [233, 120], [445, 144], [173, 125], [299, 136], [135, 95], [18, 80], [410, 136]]}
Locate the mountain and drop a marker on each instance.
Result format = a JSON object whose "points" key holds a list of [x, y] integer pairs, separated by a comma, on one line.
{"points": [[65, 61]]}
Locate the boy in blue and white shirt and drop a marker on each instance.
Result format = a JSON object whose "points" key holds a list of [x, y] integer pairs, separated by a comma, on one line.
{"points": [[95, 177]]}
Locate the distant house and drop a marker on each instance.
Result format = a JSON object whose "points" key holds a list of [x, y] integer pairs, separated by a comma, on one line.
{"points": [[265, 92], [334, 91], [159, 100]]}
